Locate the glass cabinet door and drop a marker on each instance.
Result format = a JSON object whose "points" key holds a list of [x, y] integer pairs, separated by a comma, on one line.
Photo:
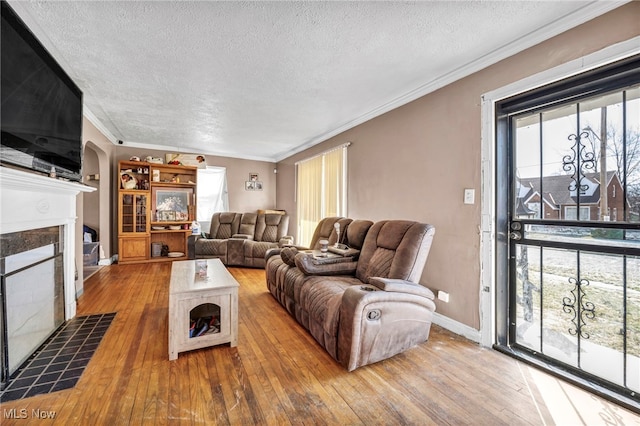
{"points": [[133, 212]]}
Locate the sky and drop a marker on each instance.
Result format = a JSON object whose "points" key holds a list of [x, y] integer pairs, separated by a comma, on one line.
{"points": [[559, 123]]}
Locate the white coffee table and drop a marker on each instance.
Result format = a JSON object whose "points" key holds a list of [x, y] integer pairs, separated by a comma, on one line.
{"points": [[216, 295]]}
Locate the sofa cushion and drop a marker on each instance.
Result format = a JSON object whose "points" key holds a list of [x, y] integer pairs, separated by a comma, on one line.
{"points": [[242, 236], [325, 230], [271, 227], [248, 224], [287, 254], [380, 264], [224, 225], [356, 233], [387, 253]]}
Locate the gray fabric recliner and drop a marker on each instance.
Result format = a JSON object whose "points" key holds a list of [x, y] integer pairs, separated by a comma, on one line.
{"points": [[365, 310]]}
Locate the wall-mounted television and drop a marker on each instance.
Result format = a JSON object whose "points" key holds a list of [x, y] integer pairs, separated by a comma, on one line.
{"points": [[41, 109]]}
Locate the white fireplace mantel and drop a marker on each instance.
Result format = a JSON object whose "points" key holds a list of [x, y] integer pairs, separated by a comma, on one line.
{"points": [[33, 201]]}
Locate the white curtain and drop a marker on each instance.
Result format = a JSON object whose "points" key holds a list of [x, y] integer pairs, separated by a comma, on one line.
{"points": [[321, 190], [211, 194]]}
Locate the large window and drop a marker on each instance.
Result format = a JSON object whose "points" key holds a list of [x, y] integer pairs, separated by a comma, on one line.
{"points": [[211, 194], [321, 190]]}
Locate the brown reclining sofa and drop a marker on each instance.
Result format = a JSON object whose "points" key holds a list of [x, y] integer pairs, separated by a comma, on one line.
{"points": [[366, 306], [240, 239]]}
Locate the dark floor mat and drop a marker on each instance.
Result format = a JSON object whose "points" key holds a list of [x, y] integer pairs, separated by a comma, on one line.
{"points": [[60, 361]]}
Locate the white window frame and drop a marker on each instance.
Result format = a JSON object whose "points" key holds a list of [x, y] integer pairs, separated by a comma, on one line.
{"points": [[570, 213]]}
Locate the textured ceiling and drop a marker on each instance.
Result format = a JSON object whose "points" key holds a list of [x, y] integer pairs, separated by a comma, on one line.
{"points": [[263, 80]]}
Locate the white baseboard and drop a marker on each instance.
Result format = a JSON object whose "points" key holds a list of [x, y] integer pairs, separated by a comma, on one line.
{"points": [[108, 261], [457, 327]]}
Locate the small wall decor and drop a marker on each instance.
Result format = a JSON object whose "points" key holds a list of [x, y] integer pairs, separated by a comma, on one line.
{"points": [[251, 185], [253, 177], [197, 160]]}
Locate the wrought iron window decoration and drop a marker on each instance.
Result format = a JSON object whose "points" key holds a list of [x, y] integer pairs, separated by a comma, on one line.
{"points": [[580, 161], [253, 184], [579, 307]]}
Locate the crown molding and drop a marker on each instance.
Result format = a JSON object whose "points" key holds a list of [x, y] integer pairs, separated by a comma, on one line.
{"points": [[89, 115]]}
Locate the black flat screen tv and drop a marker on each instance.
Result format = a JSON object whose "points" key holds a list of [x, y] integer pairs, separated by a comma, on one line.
{"points": [[41, 109]]}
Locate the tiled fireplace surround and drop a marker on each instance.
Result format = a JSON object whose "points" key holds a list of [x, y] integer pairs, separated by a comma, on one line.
{"points": [[35, 202]]}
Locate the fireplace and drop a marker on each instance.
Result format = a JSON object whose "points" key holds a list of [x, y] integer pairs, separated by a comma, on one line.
{"points": [[37, 260], [32, 292]]}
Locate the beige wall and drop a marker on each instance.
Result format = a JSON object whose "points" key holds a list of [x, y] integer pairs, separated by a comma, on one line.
{"points": [[415, 161]]}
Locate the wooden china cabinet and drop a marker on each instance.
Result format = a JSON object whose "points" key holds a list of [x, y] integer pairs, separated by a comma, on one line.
{"points": [[156, 205]]}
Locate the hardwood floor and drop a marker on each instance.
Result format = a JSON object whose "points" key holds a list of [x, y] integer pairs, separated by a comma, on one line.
{"points": [[279, 375]]}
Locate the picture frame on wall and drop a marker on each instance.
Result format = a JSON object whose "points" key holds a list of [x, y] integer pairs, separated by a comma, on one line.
{"points": [[253, 177], [172, 204], [253, 185], [197, 160]]}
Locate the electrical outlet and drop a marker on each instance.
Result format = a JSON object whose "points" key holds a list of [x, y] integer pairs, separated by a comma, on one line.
{"points": [[444, 296]]}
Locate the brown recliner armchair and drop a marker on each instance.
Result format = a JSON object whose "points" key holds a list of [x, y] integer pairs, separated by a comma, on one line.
{"points": [[366, 310]]}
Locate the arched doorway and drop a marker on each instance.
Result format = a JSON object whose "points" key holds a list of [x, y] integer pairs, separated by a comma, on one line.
{"points": [[95, 210]]}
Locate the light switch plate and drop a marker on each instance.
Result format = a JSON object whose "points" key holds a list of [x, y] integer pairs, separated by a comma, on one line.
{"points": [[469, 196]]}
